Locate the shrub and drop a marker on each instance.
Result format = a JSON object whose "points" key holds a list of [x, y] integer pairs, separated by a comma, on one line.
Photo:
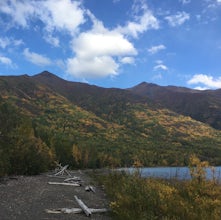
{"points": [[133, 197]]}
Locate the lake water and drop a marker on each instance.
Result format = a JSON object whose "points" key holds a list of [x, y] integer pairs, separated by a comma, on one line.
{"points": [[181, 173]]}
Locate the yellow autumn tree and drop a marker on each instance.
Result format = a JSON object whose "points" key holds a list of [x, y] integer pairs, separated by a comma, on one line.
{"points": [[198, 169], [77, 155]]}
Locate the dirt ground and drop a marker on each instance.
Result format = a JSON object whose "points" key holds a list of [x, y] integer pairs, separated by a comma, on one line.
{"points": [[27, 197]]}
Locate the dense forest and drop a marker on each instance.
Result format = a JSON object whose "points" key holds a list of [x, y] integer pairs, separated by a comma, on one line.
{"points": [[87, 126], [21, 152]]}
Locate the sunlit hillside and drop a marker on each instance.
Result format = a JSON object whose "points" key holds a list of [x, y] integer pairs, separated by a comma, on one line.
{"points": [[88, 126]]}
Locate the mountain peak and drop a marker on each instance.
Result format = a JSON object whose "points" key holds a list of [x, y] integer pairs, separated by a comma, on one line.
{"points": [[46, 74], [146, 84], [143, 87]]}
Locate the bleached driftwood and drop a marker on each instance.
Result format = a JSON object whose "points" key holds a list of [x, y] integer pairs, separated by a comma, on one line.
{"points": [[90, 188], [83, 208], [64, 210], [62, 171], [59, 177], [74, 210], [74, 178], [86, 210], [64, 184], [98, 210]]}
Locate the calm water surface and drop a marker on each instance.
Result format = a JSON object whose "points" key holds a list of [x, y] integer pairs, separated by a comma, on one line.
{"points": [[172, 172]]}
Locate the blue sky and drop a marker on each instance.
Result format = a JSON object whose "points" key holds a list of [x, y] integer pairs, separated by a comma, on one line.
{"points": [[114, 43]]}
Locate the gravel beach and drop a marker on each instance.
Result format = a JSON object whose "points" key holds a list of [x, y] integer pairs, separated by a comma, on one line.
{"points": [[27, 198]]}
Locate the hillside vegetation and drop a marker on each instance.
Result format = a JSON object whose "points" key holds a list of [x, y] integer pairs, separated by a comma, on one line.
{"points": [[44, 118], [204, 106]]}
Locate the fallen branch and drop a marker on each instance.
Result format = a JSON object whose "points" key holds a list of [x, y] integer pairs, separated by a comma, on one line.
{"points": [[65, 171], [53, 211], [90, 188], [64, 210], [62, 171], [64, 184], [86, 210], [75, 178], [74, 210], [60, 177]]}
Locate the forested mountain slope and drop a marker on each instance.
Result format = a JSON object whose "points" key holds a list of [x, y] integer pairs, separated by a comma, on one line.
{"points": [[204, 106], [90, 126]]}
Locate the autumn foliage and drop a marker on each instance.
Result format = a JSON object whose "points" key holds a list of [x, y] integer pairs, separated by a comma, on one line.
{"points": [[45, 119], [133, 197]]}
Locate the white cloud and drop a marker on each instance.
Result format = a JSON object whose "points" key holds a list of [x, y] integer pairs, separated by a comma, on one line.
{"points": [[56, 15], [61, 14], [95, 53], [36, 58], [5, 42], [142, 22], [20, 11], [127, 60], [52, 40], [99, 44], [99, 51], [159, 61], [17, 42], [206, 80], [156, 49], [5, 60], [160, 67], [177, 19], [201, 88], [93, 67], [146, 21], [185, 1]]}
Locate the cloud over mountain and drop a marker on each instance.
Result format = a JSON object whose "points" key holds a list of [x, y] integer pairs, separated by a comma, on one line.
{"points": [[35, 58], [206, 80], [99, 41], [98, 50]]}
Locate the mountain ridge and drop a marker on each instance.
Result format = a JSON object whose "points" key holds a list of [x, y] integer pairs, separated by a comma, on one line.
{"points": [[204, 106], [201, 105], [90, 126]]}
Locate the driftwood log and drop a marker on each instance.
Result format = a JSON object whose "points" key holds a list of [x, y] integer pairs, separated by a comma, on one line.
{"points": [[62, 170], [74, 178], [90, 188], [59, 177], [64, 184], [83, 209], [74, 210], [86, 210]]}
